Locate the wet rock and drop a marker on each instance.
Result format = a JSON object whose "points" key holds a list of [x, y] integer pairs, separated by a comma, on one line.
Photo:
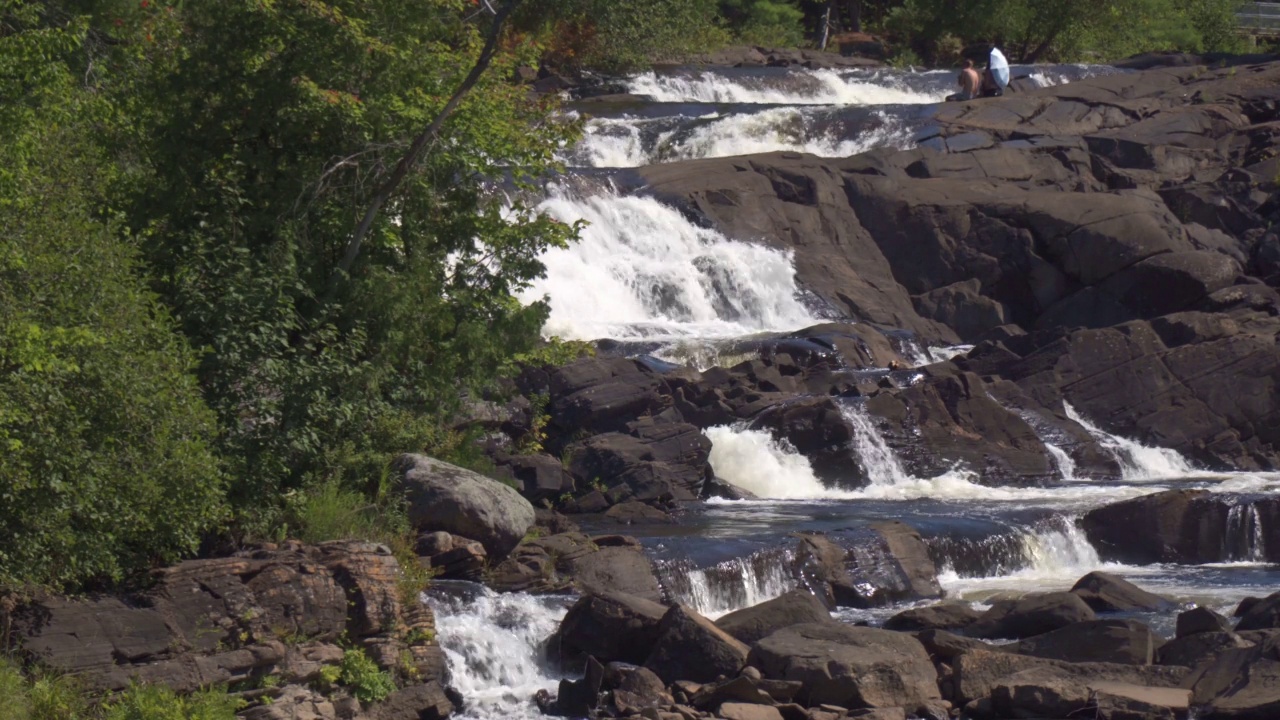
{"points": [[1112, 641], [1201, 620], [601, 395], [452, 557], [961, 307], [1105, 592], [740, 690], [656, 461], [1030, 615], [609, 627], [890, 564], [572, 561], [943, 616], [449, 498], [633, 512], [855, 667], [542, 477], [1195, 650], [1263, 614], [1043, 692], [691, 647], [616, 570], [945, 646], [796, 607], [817, 429]]}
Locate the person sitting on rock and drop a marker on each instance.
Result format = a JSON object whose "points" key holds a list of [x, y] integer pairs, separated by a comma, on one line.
{"points": [[969, 83]]}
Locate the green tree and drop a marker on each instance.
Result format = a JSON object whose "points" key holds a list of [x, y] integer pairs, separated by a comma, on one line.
{"points": [[105, 458]]}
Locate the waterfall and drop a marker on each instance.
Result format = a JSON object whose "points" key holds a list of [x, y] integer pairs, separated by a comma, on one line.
{"points": [[731, 585], [1245, 539], [633, 142], [879, 462], [1138, 462], [643, 271], [1054, 550], [493, 644], [1066, 466], [770, 469], [796, 87]]}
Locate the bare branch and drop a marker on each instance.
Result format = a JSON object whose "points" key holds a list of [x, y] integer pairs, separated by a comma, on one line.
{"points": [[429, 135]]}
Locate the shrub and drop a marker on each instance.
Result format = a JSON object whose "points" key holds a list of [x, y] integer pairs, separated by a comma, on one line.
{"points": [[367, 682], [155, 702]]}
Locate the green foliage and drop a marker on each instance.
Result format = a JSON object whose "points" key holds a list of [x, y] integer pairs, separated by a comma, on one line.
{"points": [[42, 696], [107, 464], [154, 702], [773, 23], [1032, 30], [367, 682]]}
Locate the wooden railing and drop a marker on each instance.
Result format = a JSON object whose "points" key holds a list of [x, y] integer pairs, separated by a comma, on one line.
{"points": [[1259, 18]]}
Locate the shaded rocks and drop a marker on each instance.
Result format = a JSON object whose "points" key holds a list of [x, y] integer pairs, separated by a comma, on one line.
{"points": [[228, 620], [1105, 592], [1184, 526], [1201, 620], [1030, 615], [1238, 685], [1263, 614], [691, 647], [978, 673], [451, 557], [796, 607], [889, 563], [1195, 650], [461, 502], [853, 667]]}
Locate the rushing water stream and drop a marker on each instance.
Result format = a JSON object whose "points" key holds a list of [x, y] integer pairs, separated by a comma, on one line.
{"points": [[644, 273]]}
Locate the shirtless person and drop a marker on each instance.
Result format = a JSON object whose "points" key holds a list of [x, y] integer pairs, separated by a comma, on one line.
{"points": [[969, 83]]}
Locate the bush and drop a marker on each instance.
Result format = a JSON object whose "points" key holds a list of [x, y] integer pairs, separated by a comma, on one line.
{"points": [[153, 702], [367, 682]]}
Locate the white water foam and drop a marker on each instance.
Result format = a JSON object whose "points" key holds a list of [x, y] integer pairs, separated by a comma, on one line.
{"points": [[797, 87], [774, 470], [1053, 556], [767, 468], [643, 271], [1246, 539], [1138, 462], [493, 646], [617, 142]]}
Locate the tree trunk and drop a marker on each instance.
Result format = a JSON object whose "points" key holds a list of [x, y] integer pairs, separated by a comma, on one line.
{"points": [[824, 25]]}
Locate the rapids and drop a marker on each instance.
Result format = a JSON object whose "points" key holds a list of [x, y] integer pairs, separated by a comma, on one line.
{"points": [[654, 282]]}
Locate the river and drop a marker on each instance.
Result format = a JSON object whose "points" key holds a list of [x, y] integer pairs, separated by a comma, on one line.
{"points": [[647, 276]]}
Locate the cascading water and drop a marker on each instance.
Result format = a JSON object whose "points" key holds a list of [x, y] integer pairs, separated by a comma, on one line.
{"points": [[1053, 551], [1137, 461], [797, 87], [731, 585], [625, 142], [493, 643], [1246, 539], [1061, 460], [754, 461], [643, 271]]}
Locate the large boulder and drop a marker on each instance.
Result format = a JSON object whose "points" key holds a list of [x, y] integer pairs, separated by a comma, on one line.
{"points": [[796, 607], [885, 562], [1238, 685], [461, 502], [1030, 615], [1105, 592], [818, 429], [978, 673], [852, 667], [608, 627], [1196, 650], [691, 647], [1201, 620], [1261, 615], [1171, 526], [1112, 641], [1048, 693]]}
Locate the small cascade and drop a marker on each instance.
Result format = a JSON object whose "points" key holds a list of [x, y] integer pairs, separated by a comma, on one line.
{"points": [[1051, 549], [1061, 460], [1245, 539], [795, 87], [493, 644], [770, 469], [643, 271], [1137, 461], [879, 462], [731, 585]]}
